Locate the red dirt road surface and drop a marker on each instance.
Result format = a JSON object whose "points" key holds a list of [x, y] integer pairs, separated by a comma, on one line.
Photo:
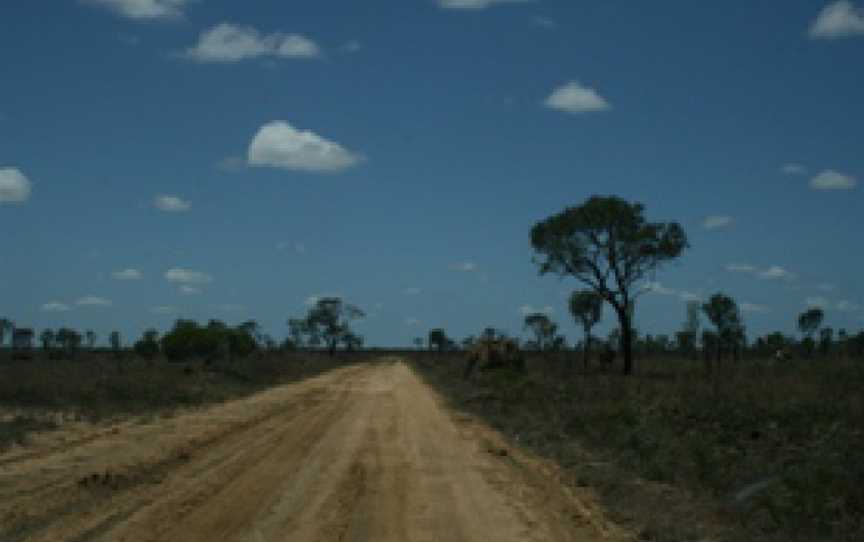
{"points": [[363, 453]]}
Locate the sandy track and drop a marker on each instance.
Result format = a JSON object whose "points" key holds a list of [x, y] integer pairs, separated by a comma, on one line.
{"points": [[364, 453]]}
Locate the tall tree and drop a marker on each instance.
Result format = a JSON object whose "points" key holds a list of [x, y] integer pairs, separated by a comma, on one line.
{"points": [[438, 339], [808, 322], [543, 328], [607, 244], [330, 319], [587, 309], [6, 325], [47, 338], [114, 340], [722, 311]]}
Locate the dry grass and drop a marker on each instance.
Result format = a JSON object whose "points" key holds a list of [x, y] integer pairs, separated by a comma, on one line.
{"points": [[38, 394], [755, 452]]}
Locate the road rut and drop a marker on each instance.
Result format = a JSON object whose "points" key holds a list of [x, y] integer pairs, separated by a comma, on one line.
{"points": [[363, 453]]}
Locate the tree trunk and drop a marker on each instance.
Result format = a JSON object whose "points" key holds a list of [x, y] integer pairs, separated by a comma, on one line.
{"points": [[586, 349], [626, 340]]}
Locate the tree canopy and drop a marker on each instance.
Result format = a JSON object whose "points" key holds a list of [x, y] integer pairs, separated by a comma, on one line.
{"points": [[607, 244]]}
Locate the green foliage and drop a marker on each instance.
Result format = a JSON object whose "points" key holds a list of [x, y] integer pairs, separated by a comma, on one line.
{"points": [[723, 312], [148, 346], [607, 244], [114, 340], [329, 321], [810, 320], [544, 330], [214, 341], [438, 339]]}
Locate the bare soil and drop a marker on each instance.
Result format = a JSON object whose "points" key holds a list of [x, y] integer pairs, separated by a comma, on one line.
{"points": [[364, 452]]}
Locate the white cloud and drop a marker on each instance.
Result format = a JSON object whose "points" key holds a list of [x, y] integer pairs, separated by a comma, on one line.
{"points": [[689, 296], [475, 4], [14, 186], [776, 272], [826, 287], [412, 322], [753, 307], [465, 267], [187, 276], [793, 169], [280, 145], [171, 204], [740, 268], [575, 98], [231, 164], [411, 291], [351, 47], [299, 248], [127, 274], [227, 42], [525, 310], [189, 290], [657, 288], [93, 301], [844, 305], [229, 307], [144, 9], [544, 22], [833, 180], [716, 222], [817, 301], [164, 309], [838, 20], [55, 306]]}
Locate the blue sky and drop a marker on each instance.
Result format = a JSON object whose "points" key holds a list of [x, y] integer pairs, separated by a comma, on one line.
{"points": [[212, 158]]}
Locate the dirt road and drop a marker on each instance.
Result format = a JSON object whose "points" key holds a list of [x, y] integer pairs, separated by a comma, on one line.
{"points": [[363, 453]]}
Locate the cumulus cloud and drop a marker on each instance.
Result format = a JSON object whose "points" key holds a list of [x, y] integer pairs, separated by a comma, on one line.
{"points": [[817, 302], [55, 306], [715, 222], [189, 290], [187, 276], [833, 180], [775, 272], [93, 301], [227, 42], [465, 267], [826, 287], [351, 47], [654, 287], [411, 291], [689, 296], [127, 274], [229, 307], [575, 98], [838, 20], [525, 310], [171, 204], [753, 307], [280, 145], [793, 169], [740, 268], [299, 248], [475, 4], [543, 22], [144, 9], [14, 186], [164, 309], [412, 322], [844, 305]]}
